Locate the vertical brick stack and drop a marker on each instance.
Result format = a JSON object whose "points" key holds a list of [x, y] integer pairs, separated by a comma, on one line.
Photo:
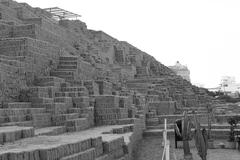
{"points": [[14, 133], [105, 88], [109, 109], [67, 68], [92, 87]]}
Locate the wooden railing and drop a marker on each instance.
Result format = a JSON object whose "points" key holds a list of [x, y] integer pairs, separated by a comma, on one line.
{"points": [[166, 143]]}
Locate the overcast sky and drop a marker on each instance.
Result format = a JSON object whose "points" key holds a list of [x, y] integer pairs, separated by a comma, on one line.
{"points": [[202, 34]]}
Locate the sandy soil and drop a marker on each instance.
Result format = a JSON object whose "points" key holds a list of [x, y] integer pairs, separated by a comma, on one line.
{"points": [[151, 149]]}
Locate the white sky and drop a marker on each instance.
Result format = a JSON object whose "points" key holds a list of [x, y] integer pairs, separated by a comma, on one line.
{"points": [[202, 34]]}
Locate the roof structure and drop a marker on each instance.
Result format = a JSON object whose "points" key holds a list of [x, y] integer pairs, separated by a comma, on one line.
{"points": [[60, 14]]}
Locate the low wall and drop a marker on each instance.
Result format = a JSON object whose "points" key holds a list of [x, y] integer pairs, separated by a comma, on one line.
{"points": [[203, 118]]}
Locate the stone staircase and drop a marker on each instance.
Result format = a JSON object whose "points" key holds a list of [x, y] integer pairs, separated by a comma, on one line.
{"points": [[14, 133], [73, 100], [17, 114], [67, 68], [54, 104]]}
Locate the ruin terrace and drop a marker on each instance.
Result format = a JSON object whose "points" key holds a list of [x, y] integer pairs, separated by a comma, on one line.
{"points": [[70, 93]]}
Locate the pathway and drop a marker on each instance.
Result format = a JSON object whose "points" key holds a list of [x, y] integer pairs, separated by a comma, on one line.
{"points": [[150, 149]]}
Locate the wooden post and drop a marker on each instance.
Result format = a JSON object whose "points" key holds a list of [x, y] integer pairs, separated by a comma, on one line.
{"points": [[166, 143]]}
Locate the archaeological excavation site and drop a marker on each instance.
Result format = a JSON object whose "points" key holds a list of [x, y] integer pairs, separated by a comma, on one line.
{"points": [[71, 93]]}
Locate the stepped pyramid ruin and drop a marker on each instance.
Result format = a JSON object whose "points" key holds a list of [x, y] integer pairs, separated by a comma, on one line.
{"points": [[68, 92]]}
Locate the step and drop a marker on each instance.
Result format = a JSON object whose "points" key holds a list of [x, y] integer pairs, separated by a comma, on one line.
{"points": [[33, 111], [77, 124], [68, 58], [62, 73], [73, 89], [50, 131], [62, 118], [56, 108], [116, 121], [67, 67], [126, 121], [48, 79], [114, 147], [14, 111], [63, 99], [67, 77], [125, 157], [62, 62], [66, 149], [43, 91], [50, 84], [85, 155], [150, 115], [68, 71], [15, 63], [65, 85], [19, 105], [23, 123], [152, 121], [13, 133], [75, 110], [122, 130], [18, 117], [104, 157], [38, 100], [21, 111], [42, 120], [71, 94]]}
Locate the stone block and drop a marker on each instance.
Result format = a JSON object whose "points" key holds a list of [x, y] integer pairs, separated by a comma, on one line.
{"points": [[60, 119], [13, 133], [92, 87], [107, 101], [39, 100], [19, 105], [4, 156], [104, 157], [96, 141], [163, 107], [77, 124], [31, 155], [55, 108], [66, 100], [81, 102], [86, 155], [105, 88], [113, 145], [42, 120]]}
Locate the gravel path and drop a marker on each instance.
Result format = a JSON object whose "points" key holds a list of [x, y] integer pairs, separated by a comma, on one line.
{"points": [[150, 149]]}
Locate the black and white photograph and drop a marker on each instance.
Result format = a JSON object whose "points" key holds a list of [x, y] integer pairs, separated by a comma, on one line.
{"points": [[119, 79]]}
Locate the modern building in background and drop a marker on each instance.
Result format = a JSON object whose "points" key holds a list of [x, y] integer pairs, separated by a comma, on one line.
{"points": [[229, 85], [181, 70]]}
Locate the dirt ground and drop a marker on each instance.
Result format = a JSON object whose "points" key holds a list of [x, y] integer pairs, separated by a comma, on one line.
{"points": [[150, 149]]}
